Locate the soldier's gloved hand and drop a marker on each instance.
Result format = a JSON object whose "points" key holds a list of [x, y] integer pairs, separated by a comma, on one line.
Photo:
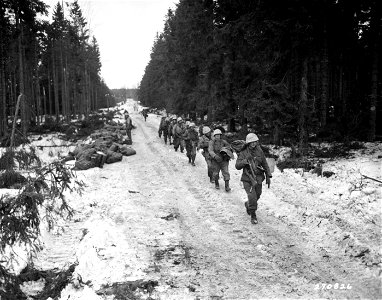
{"points": [[268, 181]]}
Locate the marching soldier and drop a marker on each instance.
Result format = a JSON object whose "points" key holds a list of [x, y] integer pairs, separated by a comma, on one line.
{"points": [[218, 163], [128, 125], [255, 169], [203, 144], [178, 131], [191, 143]]}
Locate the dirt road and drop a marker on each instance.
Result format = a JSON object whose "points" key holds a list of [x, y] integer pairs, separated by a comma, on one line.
{"points": [[200, 243], [171, 225]]}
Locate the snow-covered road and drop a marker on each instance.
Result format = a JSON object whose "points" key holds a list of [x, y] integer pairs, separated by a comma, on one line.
{"points": [[155, 217]]}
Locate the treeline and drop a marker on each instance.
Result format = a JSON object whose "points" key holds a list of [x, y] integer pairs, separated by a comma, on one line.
{"points": [[53, 67], [123, 94], [288, 68]]}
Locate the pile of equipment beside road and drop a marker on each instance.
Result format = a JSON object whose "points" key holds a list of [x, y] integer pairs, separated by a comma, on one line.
{"points": [[107, 145]]}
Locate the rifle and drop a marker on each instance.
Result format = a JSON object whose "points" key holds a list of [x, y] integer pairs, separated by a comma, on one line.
{"points": [[251, 178], [252, 161]]}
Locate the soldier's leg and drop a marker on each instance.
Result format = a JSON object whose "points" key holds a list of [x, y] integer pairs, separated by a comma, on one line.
{"points": [[252, 196], [259, 190], [188, 150], [176, 143], [215, 174], [165, 137], [193, 153], [224, 168], [129, 135], [209, 169]]}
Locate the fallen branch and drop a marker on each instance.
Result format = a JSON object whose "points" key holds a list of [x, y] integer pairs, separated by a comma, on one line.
{"points": [[371, 178], [55, 146]]}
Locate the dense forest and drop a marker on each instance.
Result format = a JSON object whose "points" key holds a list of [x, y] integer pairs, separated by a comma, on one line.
{"points": [[48, 69], [291, 68]]}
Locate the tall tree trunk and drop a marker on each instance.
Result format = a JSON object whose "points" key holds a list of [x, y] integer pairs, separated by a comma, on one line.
{"points": [[325, 79], [45, 112], [50, 97], [228, 72], [3, 92], [37, 88], [374, 24], [303, 109], [55, 88], [21, 76]]}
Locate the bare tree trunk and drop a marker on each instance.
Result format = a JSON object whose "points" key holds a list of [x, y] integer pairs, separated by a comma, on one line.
{"points": [[374, 74], [50, 92], [55, 88], [276, 134], [45, 104], [37, 87], [325, 79], [3, 95], [21, 76], [303, 109], [19, 99]]}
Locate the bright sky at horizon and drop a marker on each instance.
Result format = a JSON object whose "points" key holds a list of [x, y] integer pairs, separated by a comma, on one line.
{"points": [[125, 31]]}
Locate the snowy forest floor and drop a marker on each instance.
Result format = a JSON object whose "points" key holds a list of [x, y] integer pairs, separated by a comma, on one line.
{"points": [[154, 227]]}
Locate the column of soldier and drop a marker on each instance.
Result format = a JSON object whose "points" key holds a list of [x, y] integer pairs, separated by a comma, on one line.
{"points": [[217, 153]]}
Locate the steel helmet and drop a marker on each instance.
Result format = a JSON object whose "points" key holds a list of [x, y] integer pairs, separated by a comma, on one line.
{"points": [[192, 124], [251, 137], [217, 131], [179, 119], [206, 129]]}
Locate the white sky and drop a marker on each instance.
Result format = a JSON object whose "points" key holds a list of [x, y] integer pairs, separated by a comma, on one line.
{"points": [[125, 31]]}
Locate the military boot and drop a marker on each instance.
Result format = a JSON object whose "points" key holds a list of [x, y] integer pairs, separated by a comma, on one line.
{"points": [[193, 160], [217, 183], [189, 158], [253, 217], [212, 179], [227, 188]]}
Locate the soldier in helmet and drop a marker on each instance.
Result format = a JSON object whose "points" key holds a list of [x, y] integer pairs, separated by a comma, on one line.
{"points": [[128, 126], [165, 129], [203, 144], [255, 169], [191, 143], [161, 126], [218, 163], [178, 131], [170, 128]]}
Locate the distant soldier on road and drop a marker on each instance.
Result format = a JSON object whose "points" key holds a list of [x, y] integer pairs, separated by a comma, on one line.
{"points": [[218, 163], [170, 129], [161, 125], [145, 114], [255, 169], [203, 144], [128, 125], [191, 143], [165, 126], [177, 132]]}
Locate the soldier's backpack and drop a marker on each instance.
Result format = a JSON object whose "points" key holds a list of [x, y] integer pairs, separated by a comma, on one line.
{"points": [[238, 146]]}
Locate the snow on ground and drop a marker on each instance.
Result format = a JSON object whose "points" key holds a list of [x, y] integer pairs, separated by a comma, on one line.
{"points": [[155, 217]]}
